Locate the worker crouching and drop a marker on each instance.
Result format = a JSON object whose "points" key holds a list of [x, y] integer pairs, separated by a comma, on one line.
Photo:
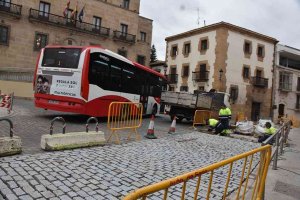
{"points": [[269, 131], [215, 125]]}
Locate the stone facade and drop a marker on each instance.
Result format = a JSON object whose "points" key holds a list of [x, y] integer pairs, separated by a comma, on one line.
{"points": [[217, 60], [287, 84], [20, 54]]}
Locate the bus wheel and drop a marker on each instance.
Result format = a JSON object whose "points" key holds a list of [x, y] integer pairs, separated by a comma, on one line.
{"points": [[154, 110]]}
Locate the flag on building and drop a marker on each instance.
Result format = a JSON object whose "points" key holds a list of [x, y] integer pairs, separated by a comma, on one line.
{"points": [[73, 14], [66, 9], [80, 17]]}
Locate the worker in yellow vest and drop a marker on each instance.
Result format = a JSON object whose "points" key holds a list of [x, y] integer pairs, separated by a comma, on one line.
{"points": [[225, 117], [269, 131], [215, 124]]}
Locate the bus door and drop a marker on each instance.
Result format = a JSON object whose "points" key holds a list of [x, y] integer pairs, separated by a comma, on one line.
{"points": [[144, 96]]}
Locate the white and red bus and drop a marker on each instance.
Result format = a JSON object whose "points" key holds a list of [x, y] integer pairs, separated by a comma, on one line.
{"points": [[86, 80]]}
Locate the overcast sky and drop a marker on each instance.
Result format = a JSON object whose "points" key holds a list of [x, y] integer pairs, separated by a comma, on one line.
{"points": [[276, 18]]}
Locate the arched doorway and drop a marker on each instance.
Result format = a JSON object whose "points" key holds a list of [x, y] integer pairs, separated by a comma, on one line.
{"points": [[281, 110]]}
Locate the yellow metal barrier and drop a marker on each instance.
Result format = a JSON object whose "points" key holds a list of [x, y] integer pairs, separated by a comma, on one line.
{"points": [[258, 187], [200, 117], [124, 115]]}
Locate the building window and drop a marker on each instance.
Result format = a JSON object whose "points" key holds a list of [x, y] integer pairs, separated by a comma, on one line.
{"points": [[185, 71], [141, 59], [285, 81], [298, 84], [126, 4], [298, 102], [260, 51], [184, 88], [174, 51], [41, 40], [187, 48], [143, 36], [247, 47], [70, 42], [234, 92], [259, 73], [246, 71], [204, 45], [124, 29], [44, 9], [97, 22], [122, 52], [5, 3], [3, 35]]}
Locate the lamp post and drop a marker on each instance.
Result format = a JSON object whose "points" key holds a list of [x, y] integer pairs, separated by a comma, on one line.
{"points": [[220, 74]]}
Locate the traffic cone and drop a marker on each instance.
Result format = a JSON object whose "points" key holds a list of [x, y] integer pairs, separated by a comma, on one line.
{"points": [[172, 128], [150, 132]]}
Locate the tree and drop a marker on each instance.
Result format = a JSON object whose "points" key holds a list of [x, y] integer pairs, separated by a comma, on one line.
{"points": [[153, 56]]}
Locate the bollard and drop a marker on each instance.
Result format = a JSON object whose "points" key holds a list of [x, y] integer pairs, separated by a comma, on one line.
{"points": [[10, 145], [88, 121], [58, 119], [11, 132]]}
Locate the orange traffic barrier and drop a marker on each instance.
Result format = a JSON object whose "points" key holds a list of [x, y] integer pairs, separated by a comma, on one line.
{"points": [[124, 115], [200, 117], [183, 185]]}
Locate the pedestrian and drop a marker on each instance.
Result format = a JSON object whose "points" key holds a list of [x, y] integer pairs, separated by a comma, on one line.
{"points": [[215, 124], [269, 131], [225, 117]]}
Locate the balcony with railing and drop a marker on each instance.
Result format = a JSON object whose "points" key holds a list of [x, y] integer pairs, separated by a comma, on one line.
{"points": [[172, 78], [118, 35], [200, 76], [259, 81], [64, 22], [10, 8]]}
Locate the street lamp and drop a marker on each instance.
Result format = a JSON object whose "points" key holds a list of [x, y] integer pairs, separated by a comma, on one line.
{"points": [[221, 74]]}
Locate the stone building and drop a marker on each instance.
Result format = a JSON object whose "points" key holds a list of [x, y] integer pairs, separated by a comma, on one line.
{"points": [[159, 66], [287, 84], [226, 58], [26, 26]]}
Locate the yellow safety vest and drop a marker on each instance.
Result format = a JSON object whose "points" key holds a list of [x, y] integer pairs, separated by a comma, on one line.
{"points": [[270, 131], [212, 122], [225, 111]]}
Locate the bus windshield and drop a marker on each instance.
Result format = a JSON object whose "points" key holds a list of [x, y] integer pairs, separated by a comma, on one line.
{"points": [[61, 57]]}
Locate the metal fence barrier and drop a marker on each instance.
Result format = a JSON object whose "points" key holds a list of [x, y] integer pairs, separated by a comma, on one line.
{"points": [[257, 190], [124, 115], [280, 138], [200, 117]]}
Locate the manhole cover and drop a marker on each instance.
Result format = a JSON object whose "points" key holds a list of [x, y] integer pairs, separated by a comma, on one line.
{"points": [[287, 189]]}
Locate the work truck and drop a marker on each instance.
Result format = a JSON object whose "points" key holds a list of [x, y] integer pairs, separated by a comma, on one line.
{"points": [[183, 104]]}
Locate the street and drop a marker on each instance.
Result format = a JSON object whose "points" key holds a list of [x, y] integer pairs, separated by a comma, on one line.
{"points": [[30, 123], [111, 171]]}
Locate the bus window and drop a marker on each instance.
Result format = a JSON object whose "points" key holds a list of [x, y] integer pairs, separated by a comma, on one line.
{"points": [[129, 80], [61, 57], [115, 77], [99, 70]]}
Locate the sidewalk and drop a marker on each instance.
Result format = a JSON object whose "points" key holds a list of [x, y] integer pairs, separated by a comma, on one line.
{"points": [[284, 183]]}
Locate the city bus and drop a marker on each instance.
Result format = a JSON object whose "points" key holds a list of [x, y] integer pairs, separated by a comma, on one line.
{"points": [[85, 80]]}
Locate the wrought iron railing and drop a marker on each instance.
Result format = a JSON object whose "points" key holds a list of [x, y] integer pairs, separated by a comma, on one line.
{"points": [[200, 76], [16, 76], [67, 23], [10, 8], [172, 78], [259, 81], [124, 36]]}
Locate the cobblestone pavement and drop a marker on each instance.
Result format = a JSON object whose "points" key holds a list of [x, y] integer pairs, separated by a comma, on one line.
{"points": [[30, 123], [111, 171]]}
